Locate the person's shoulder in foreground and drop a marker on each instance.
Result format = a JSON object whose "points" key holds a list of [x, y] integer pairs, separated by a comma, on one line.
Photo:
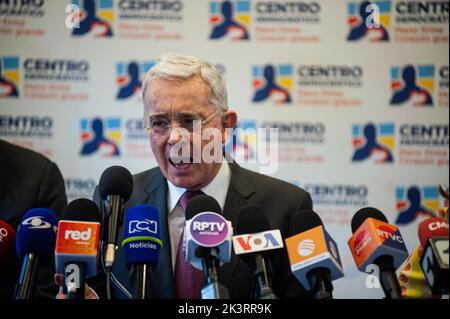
{"points": [[28, 180]]}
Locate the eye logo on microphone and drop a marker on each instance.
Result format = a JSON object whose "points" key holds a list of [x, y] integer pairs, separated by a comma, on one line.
{"points": [[36, 222], [146, 225], [306, 247]]}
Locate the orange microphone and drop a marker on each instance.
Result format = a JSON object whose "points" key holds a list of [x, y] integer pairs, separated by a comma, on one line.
{"points": [[377, 242], [77, 246]]}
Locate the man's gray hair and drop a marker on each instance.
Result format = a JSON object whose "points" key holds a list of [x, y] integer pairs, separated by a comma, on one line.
{"points": [[176, 66]]}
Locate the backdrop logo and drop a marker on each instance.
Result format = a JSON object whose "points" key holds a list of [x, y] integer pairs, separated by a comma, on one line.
{"points": [[373, 141], [97, 16], [298, 132], [56, 70], [424, 135], [416, 201], [338, 195], [444, 77], [129, 78], [17, 126], [287, 12], [100, 135], [22, 8], [77, 187], [161, 10], [422, 12], [369, 20], [9, 76], [230, 19], [412, 84], [273, 82], [243, 142]]}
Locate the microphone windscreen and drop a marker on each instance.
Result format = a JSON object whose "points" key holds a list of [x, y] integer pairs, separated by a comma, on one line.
{"points": [[7, 242], [142, 235], [116, 180], [302, 221], [251, 220], [364, 213], [200, 204], [37, 234], [82, 209], [432, 227]]}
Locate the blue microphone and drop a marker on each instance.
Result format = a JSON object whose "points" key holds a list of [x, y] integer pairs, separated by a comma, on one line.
{"points": [[142, 245], [35, 245]]}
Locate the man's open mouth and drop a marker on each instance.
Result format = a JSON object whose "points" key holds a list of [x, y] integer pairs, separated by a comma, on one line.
{"points": [[181, 162]]}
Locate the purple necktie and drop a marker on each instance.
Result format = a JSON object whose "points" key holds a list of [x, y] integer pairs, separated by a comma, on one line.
{"points": [[188, 280]]}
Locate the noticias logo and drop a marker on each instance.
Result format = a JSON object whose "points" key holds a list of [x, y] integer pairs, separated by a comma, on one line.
{"points": [[306, 247], [147, 225]]}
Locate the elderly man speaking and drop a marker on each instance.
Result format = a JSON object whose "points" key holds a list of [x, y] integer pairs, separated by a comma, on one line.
{"points": [[179, 93]]}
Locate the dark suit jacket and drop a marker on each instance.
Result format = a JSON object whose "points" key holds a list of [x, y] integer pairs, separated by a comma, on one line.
{"points": [[27, 180], [277, 199]]}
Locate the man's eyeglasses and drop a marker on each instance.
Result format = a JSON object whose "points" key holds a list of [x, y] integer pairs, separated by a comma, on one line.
{"points": [[161, 125]]}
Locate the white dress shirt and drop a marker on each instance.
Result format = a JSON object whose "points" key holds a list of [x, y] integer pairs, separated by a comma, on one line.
{"points": [[218, 189]]}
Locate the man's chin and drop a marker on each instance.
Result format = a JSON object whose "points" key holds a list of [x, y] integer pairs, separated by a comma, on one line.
{"points": [[181, 178]]}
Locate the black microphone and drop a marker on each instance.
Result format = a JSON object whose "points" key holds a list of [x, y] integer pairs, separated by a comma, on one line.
{"points": [[76, 251], [251, 220], [208, 243], [375, 241], [115, 188]]}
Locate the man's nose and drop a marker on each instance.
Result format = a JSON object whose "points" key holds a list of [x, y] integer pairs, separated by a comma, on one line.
{"points": [[176, 136]]}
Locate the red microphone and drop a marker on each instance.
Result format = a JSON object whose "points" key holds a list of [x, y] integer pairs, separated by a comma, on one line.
{"points": [[433, 235], [7, 242]]}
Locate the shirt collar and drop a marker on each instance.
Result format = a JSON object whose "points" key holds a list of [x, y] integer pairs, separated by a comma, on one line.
{"points": [[218, 188]]}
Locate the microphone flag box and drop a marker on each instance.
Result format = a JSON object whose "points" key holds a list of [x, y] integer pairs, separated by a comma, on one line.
{"points": [[252, 243], [208, 230], [77, 241], [313, 249], [375, 238]]}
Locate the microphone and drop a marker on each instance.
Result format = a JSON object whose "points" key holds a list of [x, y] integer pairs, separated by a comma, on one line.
{"points": [[313, 254], [35, 244], [207, 238], [254, 244], [115, 188], [77, 246], [433, 235], [7, 242], [142, 245], [375, 241], [8, 260]]}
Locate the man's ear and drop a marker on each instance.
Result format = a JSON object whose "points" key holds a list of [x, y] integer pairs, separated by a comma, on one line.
{"points": [[229, 122]]}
